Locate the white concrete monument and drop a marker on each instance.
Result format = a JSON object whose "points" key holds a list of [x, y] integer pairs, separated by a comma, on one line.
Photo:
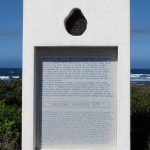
{"points": [[76, 75]]}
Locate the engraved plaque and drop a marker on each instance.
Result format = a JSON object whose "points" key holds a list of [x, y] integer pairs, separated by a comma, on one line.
{"points": [[76, 98]]}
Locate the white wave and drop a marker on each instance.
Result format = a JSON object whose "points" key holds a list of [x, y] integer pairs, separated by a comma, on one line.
{"points": [[139, 75], [145, 75], [141, 79], [15, 77], [9, 78], [4, 78], [135, 75]]}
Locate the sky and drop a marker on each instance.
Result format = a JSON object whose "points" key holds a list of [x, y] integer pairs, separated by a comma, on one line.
{"points": [[140, 34], [11, 33]]}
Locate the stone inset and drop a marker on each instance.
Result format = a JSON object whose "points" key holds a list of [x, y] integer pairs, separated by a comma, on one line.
{"points": [[76, 23]]}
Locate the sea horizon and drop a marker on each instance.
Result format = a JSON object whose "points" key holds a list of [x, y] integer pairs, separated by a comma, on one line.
{"points": [[139, 76]]}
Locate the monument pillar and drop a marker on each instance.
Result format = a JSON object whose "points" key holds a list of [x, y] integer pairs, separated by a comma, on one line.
{"points": [[76, 75]]}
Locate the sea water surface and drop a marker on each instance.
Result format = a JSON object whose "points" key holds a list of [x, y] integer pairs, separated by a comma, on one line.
{"points": [[138, 76], [9, 74]]}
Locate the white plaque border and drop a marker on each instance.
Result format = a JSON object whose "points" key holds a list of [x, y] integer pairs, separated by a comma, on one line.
{"points": [[84, 48]]}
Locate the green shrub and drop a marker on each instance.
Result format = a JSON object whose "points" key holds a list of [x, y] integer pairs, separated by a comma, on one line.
{"points": [[10, 127], [140, 118], [140, 100], [11, 92], [10, 115]]}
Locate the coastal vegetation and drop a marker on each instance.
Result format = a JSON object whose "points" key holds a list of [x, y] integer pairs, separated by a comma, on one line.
{"points": [[10, 116], [140, 118]]}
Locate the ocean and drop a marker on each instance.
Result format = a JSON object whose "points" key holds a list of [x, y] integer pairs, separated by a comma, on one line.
{"points": [[9, 74], [138, 76]]}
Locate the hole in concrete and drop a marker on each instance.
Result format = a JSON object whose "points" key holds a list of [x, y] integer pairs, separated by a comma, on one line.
{"points": [[75, 22]]}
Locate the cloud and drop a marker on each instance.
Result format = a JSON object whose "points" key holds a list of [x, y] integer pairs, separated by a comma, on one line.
{"points": [[141, 31], [10, 33]]}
